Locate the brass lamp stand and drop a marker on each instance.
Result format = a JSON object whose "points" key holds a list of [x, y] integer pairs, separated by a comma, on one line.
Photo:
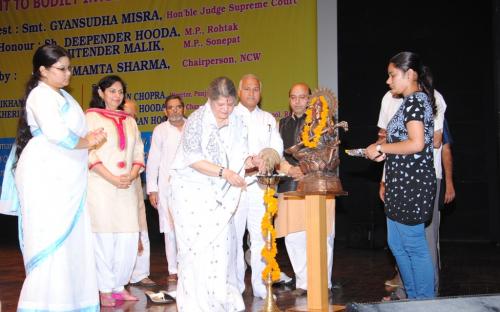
{"points": [[270, 304]]}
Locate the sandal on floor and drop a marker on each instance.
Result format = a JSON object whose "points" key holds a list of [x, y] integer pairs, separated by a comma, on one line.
{"points": [[170, 294], [159, 297], [145, 282], [124, 295], [392, 297], [107, 300]]}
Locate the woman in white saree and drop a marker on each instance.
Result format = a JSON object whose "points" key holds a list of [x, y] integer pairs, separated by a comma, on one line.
{"points": [[51, 179], [206, 180]]}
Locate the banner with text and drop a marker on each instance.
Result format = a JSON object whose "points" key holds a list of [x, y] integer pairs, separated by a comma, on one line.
{"points": [[160, 48]]}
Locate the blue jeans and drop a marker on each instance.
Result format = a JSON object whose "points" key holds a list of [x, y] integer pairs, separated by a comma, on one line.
{"points": [[409, 247]]}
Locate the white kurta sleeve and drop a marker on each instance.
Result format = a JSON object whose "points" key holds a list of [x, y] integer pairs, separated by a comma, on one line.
{"points": [[154, 158], [383, 118], [46, 112], [276, 140], [441, 109]]}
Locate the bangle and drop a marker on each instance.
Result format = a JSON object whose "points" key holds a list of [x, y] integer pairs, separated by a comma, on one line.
{"points": [[379, 149], [221, 169]]}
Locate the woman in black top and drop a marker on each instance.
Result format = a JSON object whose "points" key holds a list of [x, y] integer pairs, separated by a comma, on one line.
{"points": [[410, 176]]}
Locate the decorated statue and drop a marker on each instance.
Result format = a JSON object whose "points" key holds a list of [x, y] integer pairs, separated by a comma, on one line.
{"points": [[317, 147]]}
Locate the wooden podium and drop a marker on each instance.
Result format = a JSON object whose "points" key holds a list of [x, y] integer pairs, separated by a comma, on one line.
{"points": [[317, 153], [317, 271]]}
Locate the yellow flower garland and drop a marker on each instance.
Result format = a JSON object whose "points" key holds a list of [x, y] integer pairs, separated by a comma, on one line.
{"points": [[309, 119], [269, 256]]}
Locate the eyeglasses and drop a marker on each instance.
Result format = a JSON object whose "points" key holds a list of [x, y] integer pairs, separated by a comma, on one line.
{"points": [[299, 97], [63, 69]]}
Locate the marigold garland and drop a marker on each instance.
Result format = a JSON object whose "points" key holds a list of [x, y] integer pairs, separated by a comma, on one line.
{"points": [[267, 227], [309, 119]]}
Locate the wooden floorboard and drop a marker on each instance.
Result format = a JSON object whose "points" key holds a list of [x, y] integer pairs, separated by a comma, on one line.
{"points": [[468, 269]]}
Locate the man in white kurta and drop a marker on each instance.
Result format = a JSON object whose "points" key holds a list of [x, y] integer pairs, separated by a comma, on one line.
{"points": [[140, 274], [292, 209], [164, 143], [262, 133], [388, 108]]}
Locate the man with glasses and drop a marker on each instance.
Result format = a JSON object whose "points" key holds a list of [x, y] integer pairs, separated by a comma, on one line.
{"points": [[291, 211]]}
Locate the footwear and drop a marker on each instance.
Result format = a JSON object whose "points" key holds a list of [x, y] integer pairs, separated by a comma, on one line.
{"points": [[145, 282], [394, 282], [107, 300], [392, 297], [172, 278], [124, 295], [170, 294], [159, 297], [299, 292], [400, 293]]}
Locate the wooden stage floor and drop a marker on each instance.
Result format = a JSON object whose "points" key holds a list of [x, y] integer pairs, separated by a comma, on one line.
{"points": [[468, 269]]}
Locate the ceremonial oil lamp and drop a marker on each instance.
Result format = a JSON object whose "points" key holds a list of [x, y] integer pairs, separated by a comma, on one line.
{"points": [[271, 272]]}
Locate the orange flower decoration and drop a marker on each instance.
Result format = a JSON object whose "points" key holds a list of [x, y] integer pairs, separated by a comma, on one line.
{"points": [[272, 268], [306, 140]]}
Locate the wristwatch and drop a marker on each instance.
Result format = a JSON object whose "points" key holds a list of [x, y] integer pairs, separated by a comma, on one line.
{"points": [[379, 149]]}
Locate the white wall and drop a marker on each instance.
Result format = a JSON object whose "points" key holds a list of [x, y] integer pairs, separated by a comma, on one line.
{"points": [[327, 45]]}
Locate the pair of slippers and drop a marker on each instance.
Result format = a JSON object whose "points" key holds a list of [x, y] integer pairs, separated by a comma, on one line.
{"points": [[161, 297]]}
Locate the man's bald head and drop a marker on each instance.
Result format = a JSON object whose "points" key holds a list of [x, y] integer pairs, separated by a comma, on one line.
{"points": [[298, 97], [249, 91]]}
